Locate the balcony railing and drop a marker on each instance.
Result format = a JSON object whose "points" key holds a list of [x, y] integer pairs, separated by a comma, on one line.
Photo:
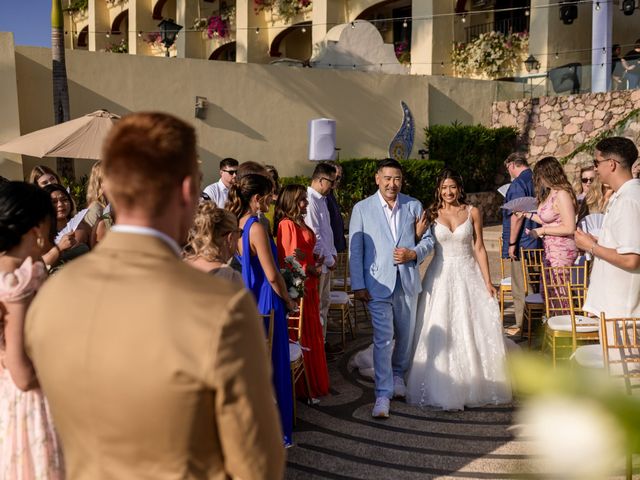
{"points": [[506, 25]]}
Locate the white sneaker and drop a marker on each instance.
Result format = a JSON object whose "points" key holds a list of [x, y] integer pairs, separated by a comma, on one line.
{"points": [[381, 408], [399, 388]]}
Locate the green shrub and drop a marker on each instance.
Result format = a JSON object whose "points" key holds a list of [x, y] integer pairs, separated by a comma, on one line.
{"points": [[475, 151], [78, 190], [358, 180]]}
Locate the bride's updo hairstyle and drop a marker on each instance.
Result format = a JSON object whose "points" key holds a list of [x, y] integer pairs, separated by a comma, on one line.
{"points": [[22, 207], [438, 203], [246, 187], [211, 226]]}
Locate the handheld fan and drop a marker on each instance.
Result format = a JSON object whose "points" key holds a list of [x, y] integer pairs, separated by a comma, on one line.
{"points": [[503, 189], [522, 204], [592, 224]]}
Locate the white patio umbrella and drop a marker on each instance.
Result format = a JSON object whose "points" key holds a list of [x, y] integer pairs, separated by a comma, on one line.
{"points": [[78, 138]]}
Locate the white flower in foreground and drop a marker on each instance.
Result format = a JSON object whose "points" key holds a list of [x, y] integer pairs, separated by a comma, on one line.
{"points": [[576, 438], [293, 293]]}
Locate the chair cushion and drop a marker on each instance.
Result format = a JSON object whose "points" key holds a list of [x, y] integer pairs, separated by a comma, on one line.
{"points": [[562, 323], [339, 282], [340, 298], [295, 351], [589, 356], [534, 298], [506, 281]]}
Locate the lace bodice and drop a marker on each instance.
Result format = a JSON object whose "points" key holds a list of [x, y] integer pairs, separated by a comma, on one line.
{"points": [[458, 243]]}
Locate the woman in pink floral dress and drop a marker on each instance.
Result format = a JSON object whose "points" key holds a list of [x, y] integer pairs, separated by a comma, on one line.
{"points": [[29, 448], [557, 207]]}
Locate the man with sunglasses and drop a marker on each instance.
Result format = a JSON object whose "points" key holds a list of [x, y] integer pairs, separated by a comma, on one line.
{"points": [[219, 191], [615, 278], [319, 221]]}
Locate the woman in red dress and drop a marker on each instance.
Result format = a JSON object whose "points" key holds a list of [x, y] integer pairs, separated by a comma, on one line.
{"points": [[295, 238]]}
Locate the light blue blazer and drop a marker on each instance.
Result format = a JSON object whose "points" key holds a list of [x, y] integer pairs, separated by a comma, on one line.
{"points": [[371, 247]]}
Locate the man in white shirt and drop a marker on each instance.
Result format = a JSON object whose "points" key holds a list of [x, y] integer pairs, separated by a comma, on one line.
{"points": [[219, 191], [318, 220], [615, 278]]}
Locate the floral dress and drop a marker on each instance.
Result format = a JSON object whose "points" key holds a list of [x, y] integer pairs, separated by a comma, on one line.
{"points": [[29, 446], [558, 251]]}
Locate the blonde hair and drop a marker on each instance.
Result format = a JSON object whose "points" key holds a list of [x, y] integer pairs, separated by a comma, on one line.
{"points": [[40, 170], [95, 192], [206, 237]]}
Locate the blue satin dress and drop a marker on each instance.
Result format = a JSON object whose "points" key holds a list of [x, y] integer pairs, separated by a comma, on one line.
{"points": [[255, 280]]}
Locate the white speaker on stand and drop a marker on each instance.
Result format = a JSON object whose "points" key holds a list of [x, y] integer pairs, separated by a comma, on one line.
{"points": [[322, 139]]}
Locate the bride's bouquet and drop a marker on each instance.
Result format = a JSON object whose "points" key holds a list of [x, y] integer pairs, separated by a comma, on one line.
{"points": [[294, 277]]}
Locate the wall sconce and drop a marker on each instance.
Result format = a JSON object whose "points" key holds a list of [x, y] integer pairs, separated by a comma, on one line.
{"points": [[201, 107]]}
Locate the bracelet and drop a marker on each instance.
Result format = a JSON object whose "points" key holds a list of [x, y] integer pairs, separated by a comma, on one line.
{"points": [[592, 247], [513, 244], [57, 248]]}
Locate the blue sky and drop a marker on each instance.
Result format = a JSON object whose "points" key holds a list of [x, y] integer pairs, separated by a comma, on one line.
{"points": [[29, 20]]}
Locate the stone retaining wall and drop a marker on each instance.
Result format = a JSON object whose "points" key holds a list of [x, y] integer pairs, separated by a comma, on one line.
{"points": [[556, 126], [490, 203]]}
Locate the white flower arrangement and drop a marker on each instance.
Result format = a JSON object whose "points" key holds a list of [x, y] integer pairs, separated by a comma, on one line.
{"points": [[490, 55], [294, 277]]}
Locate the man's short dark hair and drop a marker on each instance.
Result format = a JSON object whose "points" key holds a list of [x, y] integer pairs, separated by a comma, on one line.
{"points": [[322, 170], [389, 163], [518, 159], [228, 162], [623, 148]]}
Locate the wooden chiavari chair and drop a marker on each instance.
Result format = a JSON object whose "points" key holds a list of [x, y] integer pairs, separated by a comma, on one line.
{"points": [[532, 263], [296, 354], [564, 293], [340, 299], [505, 292], [621, 351]]}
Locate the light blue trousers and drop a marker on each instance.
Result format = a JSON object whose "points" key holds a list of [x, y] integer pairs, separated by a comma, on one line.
{"points": [[392, 315]]}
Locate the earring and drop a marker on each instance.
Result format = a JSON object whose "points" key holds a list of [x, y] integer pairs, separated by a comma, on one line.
{"points": [[40, 242]]}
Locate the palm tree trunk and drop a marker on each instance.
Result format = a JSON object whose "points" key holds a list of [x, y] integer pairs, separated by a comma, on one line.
{"points": [[60, 88]]}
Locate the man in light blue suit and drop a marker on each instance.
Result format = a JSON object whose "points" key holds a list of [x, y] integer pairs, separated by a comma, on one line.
{"points": [[383, 260]]}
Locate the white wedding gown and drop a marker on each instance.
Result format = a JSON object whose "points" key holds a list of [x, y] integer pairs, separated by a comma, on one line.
{"points": [[459, 347]]}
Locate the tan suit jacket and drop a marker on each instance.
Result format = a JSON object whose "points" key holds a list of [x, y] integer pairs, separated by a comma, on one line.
{"points": [[154, 370]]}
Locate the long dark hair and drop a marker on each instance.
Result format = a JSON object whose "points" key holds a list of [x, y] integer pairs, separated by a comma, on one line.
{"points": [[288, 206], [246, 187], [437, 204], [22, 207], [550, 170], [55, 187]]}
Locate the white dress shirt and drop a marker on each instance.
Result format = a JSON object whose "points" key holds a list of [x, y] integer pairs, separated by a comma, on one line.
{"points": [[318, 220], [391, 214], [218, 193], [152, 232], [612, 290]]}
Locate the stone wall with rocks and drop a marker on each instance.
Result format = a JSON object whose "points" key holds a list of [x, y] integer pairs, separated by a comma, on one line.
{"points": [[556, 126], [489, 203]]}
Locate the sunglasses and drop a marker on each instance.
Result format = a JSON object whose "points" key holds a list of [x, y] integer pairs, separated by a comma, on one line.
{"points": [[587, 180], [598, 162], [231, 172]]}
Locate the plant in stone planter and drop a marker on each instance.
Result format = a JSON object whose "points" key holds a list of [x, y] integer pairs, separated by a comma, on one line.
{"points": [[285, 9], [491, 55], [403, 53], [77, 6], [219, 24]]}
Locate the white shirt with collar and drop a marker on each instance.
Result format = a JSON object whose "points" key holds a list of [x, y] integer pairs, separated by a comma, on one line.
{"points": [[151, 232], [612, 290], [391, 214], [318, 220], [218, 193]]}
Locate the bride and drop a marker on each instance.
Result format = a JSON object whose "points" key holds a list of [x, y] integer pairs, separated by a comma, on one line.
{"points": [[459, 351]]}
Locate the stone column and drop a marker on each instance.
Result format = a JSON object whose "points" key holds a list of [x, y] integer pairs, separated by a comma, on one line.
{"points": [[431, 37], [325, 15], [602, 26], [98, 25]]}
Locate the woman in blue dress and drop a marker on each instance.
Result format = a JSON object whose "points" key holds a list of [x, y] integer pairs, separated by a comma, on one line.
{"points": [[257, 254]]}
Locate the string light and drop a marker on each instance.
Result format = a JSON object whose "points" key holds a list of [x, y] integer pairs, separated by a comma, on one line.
{"points": [[108, 35], [304, 30], [405, 24], [140, 33], [597, 5], [353, 25], [464, 18], [526, 12], [257, 30], [557, 56]]}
